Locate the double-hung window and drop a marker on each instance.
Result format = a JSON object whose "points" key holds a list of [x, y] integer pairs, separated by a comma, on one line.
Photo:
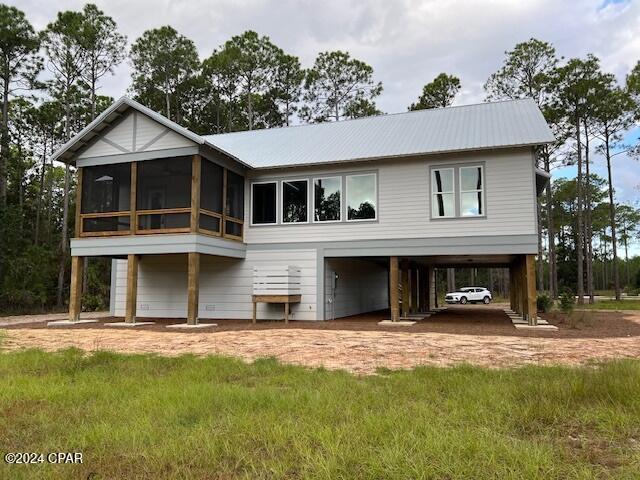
{"points": [[471, 191], [443, 200]]}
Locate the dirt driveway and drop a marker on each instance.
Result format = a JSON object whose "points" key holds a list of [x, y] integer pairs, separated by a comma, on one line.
{"points": [[357, 350]]}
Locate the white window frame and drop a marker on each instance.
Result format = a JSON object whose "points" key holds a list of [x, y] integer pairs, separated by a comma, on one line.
{"points": [[281, 211], [275, 200], [346, 196], [434, 193], [482, 196], [339, 177]]}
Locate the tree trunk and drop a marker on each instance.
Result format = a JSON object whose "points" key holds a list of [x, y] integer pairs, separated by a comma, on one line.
{"points": [[65, 209], [4, 144], [36, 235], [540, 262], [451, 280], [553, 270], [588, 216], [612, 219], [579, 231]]}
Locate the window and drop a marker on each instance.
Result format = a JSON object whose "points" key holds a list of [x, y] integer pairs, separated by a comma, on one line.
{"points": [[471, 204], [443, 202], [106, 188], [294, 201], [361, 197], [327, 199], [263, 203]]}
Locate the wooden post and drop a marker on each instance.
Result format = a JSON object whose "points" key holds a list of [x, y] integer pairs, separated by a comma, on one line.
{"points": [[405, 288], [530, 290], [427, 282], [193, 288], [132, 288], [255, 311], [286, 312], [422, 287], [394, 298], [133, 199], [196, 166], [78, 219], [75, 290], [414, 289], [512, 303]]}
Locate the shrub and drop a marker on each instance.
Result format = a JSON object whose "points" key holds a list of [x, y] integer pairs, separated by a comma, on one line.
{"points": [[544, 303], [93, 303], [567, 300]]}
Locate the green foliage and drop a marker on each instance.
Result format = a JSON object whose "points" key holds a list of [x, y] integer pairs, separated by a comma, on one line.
{"points": [[29, 279], [165, 63], [267, 420], [339, 86], [439, 93], [544, 302], [567, 301]]}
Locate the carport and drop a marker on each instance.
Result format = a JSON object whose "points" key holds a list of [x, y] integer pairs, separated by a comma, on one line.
{"points": [[407, 285]]}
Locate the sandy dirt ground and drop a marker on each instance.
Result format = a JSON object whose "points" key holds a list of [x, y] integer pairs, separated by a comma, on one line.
{"points": [[361, 350]]}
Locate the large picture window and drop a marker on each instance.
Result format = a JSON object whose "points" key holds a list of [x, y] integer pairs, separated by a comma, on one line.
{"points": [[263, 203], [361, 197], [443, 202], [327, 199], [294, 201], [471, 191]]}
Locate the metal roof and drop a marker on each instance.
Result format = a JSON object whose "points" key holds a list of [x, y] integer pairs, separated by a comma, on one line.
{"points": [[452, 129]]}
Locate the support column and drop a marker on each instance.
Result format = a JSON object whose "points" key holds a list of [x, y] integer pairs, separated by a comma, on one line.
{"points": [[75, 291], [405, 288], [422, 290], [512, 289], [394, 294], [132, 289], [193, 288], [414, 289], [530, 289], [433, 303]]}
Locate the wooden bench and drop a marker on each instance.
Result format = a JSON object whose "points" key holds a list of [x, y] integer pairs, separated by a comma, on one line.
{"points": [[284, 299]]}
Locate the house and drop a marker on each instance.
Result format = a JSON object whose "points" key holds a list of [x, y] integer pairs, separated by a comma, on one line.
{"points": [[365, 209]]}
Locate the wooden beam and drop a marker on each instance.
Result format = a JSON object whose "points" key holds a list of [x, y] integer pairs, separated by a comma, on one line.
{"points": [[196, 169], [78, 219], [75, 289], [132, 288], [133, 218], [394, 281], [414, 289], [530, 289], [405, 288], [422, 289], [193, 287]]}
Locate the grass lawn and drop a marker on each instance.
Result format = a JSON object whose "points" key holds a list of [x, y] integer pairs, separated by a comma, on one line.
{"points": [[612, 305], [143, 416]]}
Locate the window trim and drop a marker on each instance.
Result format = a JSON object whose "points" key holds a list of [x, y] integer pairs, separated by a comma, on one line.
{"points": [[280, 212], [434, 193], [346, 194], [340, 178], [482, 190], [263, 182]]}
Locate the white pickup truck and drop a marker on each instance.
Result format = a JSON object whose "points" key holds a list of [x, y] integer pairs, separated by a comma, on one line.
{"points": [[469, 294]]}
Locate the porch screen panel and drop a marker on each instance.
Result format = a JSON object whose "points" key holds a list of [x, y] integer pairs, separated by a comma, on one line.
{"points": [[106, 188], [234, 205], [211, 186], [164, 183]]}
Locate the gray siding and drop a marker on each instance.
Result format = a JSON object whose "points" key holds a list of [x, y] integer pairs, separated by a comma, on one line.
{"points": [[404, 203], [225, 285]]}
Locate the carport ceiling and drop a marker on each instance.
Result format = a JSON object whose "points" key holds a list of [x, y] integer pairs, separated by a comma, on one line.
{"points": [[451, 261]]}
